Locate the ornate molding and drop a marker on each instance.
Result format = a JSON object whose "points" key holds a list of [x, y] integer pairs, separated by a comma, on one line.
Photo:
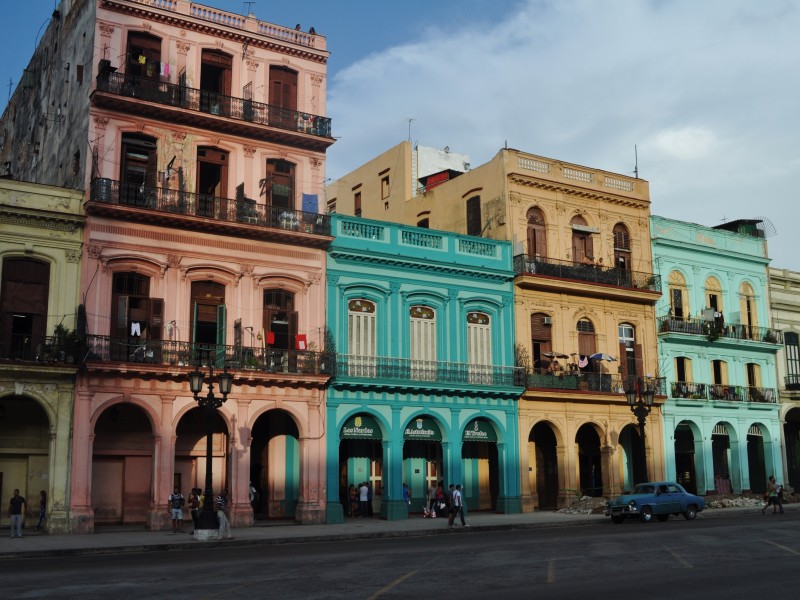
{"points": [[106, 29], [316, 79], [183, 47], [173, 261], [249, 151], [73, 256], [252, 65], [100, 123], [316, 163], [94, 251]]}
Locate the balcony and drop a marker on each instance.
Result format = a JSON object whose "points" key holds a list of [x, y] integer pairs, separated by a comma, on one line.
{"points": [[406, 371], [723, 393], [107, 353], [543, 272], [601, 383], [714, 331], [44, 350], [208, 110], [792, 383], [188, 210]]}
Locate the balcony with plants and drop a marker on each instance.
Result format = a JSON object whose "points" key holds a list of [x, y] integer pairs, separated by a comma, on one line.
{"points": [[716, 330], [544, 272], [598, 383], [187, 210], [104, 353], [63, 348], [722, 392]]}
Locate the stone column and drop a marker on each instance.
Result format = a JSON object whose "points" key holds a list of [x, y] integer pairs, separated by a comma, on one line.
{"points": [[311, 504], [241, 510], [81, 513]]}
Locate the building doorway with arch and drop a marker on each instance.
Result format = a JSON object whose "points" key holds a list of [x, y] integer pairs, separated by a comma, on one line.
{"points": [[480, 466], [791, 433], [275, 465], [360, 460], [685, 459], [190, 453], [543, 457], [590, 470], [422, 458], [122, 466], [633, 457], [756, 463]]}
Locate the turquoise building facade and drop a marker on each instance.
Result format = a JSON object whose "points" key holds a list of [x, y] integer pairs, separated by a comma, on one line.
{"points": [[717, 351], [424, 388]]}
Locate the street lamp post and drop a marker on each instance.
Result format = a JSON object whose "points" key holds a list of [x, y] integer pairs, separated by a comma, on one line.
{"points": [[207, 519], [640, 400]]}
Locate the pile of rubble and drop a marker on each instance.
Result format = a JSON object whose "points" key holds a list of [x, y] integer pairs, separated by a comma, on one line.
{"points": [[586, 506]]}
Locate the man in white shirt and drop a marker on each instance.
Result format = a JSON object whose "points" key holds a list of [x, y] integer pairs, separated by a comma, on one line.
{"points": [[455, 506], [363, 500]]}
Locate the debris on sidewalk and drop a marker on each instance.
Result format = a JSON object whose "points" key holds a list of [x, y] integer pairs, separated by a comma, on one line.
{"points": [[587, 505]]}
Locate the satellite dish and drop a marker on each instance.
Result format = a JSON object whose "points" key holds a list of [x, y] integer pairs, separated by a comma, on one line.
{"points": [[767, 226]]}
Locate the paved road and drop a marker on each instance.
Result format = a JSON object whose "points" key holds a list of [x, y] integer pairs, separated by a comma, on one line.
{"points": [[747, 557]]}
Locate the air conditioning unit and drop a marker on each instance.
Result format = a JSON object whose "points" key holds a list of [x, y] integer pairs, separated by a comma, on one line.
{"points": [[547, 321]]}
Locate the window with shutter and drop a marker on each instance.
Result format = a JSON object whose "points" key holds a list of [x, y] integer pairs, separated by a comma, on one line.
{"points": [[587, 344], [537, 239], [622, 247], [144, 55], [541, 339], [791, 343], [362, 337], [423, 342], [479, 347], [474, 223], [24, 299]]}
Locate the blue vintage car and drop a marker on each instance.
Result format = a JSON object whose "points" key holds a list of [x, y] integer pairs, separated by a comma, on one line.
{"points": [[658, 499]]}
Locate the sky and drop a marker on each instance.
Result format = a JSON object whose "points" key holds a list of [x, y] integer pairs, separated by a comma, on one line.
{"points": [[707, 94]]}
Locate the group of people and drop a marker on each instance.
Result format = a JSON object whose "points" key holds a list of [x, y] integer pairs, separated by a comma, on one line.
{"points": [[450, 503], [176, 502], [773, 496], [359, 500]]}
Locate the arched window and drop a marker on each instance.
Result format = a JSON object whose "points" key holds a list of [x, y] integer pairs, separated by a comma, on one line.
{"points": [[748, 308], [474, 222], [422, 324], [537, 236], [678, 296], [622, 247], [630, 353], [582, 245], [283, 94], [362, 337], [541, 339], [714, 294], [479, 347]]}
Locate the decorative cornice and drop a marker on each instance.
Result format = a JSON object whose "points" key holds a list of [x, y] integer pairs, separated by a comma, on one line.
{"points": [[106, 29], [39, 220], [316, 78], [73, 256], [392, 263], [182, 47], [553, 186]]}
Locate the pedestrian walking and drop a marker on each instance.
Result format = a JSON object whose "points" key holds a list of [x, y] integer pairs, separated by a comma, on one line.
{"points": [[771, 496], [42, 509], [431, 499], [461, 505], [16, 511], [407, 497], [221, 503], [252, 496], [194, 506], [175, 503], [455, 505], [778, 497]]}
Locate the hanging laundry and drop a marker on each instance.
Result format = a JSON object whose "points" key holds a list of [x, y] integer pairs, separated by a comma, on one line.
{"points": [[583, 361]]}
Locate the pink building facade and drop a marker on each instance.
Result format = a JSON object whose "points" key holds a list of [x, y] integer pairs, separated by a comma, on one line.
{"points": [[203, 247]]}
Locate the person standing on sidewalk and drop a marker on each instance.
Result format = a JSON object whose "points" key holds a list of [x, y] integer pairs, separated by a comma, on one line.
{"points": [[221, 503], [363, 500], [407, 498], [461, 507], [42, 509], [771, 496], [455, 505], [779, 497], [15, 511], [176, 502]]}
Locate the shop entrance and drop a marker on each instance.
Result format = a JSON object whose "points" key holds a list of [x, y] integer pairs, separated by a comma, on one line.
{"points": [[190, 453], [589, 461], [275, 465], [544, 460], [480, 465], [422, 458], [360, 461], [685, 458]]}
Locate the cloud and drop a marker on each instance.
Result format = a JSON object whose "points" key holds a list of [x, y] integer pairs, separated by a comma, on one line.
{"points": [[706, 90]]}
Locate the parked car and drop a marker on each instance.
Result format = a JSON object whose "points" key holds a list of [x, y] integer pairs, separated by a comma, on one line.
{"points": [[658, 499]]}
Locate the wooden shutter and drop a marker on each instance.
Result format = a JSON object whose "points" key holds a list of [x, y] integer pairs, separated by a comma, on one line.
{"points": [[623, 363], [122, 316], [221, 325], [638, 359]]}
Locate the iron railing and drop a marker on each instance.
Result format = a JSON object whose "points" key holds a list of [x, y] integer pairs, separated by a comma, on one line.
{"points": [[109, 191], [239, 109], [525, 264], [696, 391], [792, 382], [105, 349], [592, 382], [42, 349], [714, 330], [408, 370]]}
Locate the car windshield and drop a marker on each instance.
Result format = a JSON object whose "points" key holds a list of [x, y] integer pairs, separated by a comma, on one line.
{"points": [[644, 489]]}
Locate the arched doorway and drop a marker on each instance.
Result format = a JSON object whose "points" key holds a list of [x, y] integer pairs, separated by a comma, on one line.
{"points": [[685, 472], [791, 433], [480, 465], [633, 461], [190, 452], [122, 466], [590, 470], [544, 459], [275, 465], [422, 458], [360, 460], [24, 453], [721, 456], [756, 459]]}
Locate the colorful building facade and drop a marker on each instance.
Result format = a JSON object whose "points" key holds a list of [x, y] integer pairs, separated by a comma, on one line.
{"points": [[204, 246], [41, 233], [424, 389], [717, 350]]}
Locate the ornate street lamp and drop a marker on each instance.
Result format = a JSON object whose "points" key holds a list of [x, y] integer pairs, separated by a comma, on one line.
{"points": [[207, 520], [640, 400]]}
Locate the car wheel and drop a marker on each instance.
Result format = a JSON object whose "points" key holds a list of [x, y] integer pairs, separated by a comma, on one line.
{"points": [[691, 512], [647, 514], [663, 518], [617, 520]]}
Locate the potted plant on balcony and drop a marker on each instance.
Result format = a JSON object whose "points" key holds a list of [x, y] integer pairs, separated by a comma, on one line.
{"points": [[66, 342]]}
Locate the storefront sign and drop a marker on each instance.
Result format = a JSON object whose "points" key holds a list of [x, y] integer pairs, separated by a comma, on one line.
{"points": [[479, 430], [360, 427], [423, 428]]}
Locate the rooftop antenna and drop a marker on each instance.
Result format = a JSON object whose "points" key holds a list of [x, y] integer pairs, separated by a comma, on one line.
{"points": [[248, 7], [636, 161], [410, 120]]}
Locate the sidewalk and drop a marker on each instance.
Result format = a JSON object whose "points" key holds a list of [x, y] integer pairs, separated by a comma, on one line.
{"points": [[38, 545]]}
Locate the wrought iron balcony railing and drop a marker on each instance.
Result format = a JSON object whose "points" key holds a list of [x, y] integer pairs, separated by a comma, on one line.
{"points": [[50, 350], [792, 382], [108, 191], [729, 393], [104, 349], [239, 109], [525, 264], [407, 370], [604, 383], [714, 330]]}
